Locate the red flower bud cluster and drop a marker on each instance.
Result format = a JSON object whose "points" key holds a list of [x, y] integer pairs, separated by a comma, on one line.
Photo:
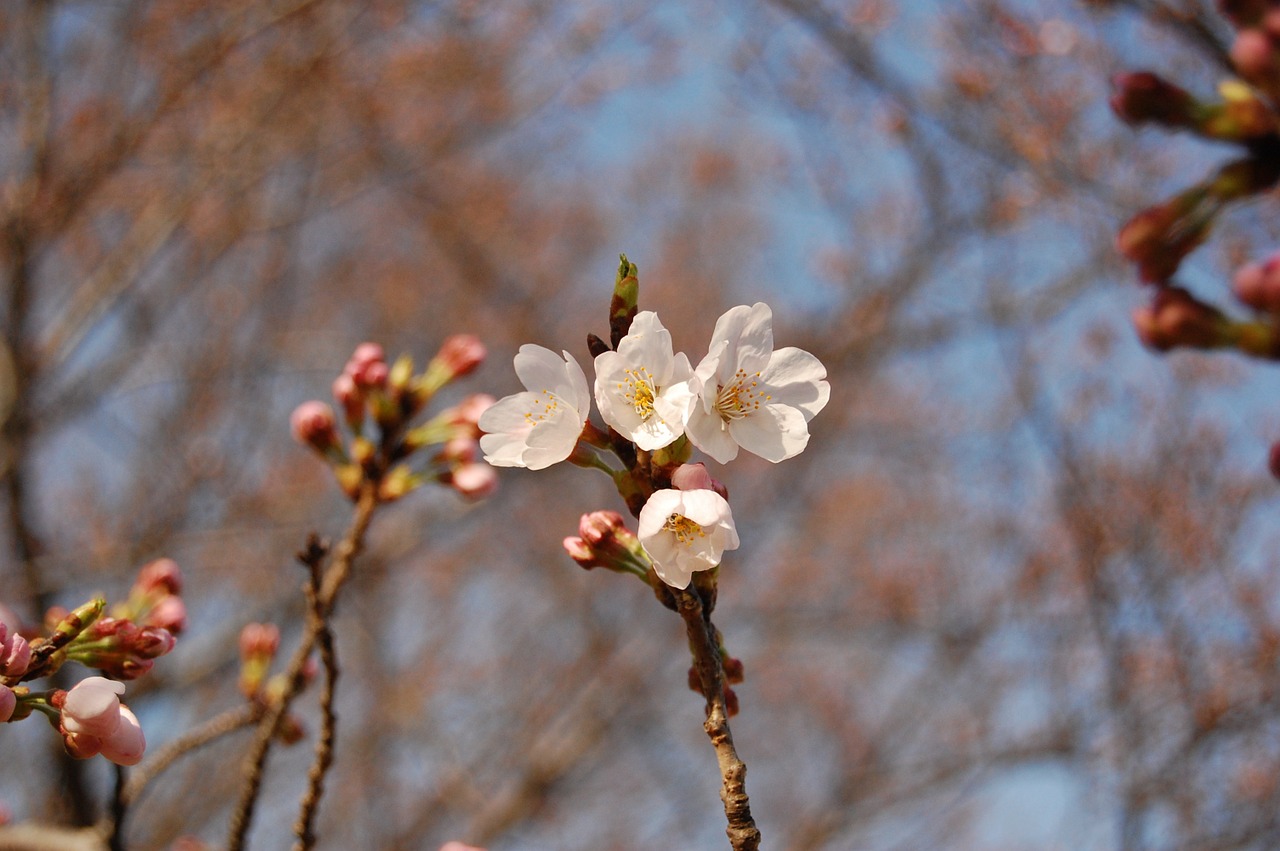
{"points": [[377, 402]]}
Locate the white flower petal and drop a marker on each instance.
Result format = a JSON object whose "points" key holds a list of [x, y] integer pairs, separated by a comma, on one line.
{"points": [[541, 426], [711, 434], [775, 432], [797, 378]]}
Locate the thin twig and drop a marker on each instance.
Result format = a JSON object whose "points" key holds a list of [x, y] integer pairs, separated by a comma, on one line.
{"points": [[128, 792], [304, 828], [336, 575], [742, 831]]}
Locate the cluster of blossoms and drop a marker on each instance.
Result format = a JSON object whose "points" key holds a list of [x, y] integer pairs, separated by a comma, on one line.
{"points": [[743, 394], [123, 645], [378, 401]]}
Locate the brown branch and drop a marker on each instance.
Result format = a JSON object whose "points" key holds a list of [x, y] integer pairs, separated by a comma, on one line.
{"points": [[304, 828], [742, 831], [334, 578]]}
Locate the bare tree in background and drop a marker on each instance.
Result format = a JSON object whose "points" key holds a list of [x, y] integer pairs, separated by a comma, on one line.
{"points": [[1019, 559]]}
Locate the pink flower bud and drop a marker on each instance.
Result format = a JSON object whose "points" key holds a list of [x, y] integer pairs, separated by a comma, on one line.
{"points": [[466, 414], [474, 480], [371, 377], [259, 639], [455, 845], [1258, 284], [600, 528], [313, 425], [8, 702], [151, 642], [1158, 238], [162, 574], [349, 398], [460, 355], [694, 477], [1177, 318], [366, 354], [581, 552], [1253, 54], [169, 613]]}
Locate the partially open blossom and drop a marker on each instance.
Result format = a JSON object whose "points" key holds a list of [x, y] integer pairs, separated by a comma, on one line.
{"points": [[642, 389], [541, 426], [686, 531], [94, 721], [15, 653], [313, 425], [751, 396]]}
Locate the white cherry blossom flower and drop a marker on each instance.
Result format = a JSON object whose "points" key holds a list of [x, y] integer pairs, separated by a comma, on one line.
{"points": [[642, 389], [684, 532], [539, 427], [751, 396]]}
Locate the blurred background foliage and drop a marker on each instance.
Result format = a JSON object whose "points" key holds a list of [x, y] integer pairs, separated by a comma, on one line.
{"points": [[1018, 593]]}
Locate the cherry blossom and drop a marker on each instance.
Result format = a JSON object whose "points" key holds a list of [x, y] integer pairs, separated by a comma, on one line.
{"points": [[686, 531], [752, 396], [539, 427], [642, 389]]}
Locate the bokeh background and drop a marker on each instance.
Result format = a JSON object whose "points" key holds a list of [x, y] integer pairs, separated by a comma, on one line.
{"points": [[1019, 593]]}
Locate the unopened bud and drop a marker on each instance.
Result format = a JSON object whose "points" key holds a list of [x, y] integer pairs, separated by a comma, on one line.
{"points": [[313, 425], [1176, 318], [163, 574], [350, 399], [1143, 97], [459, 355], [1159, 237], [1254, 57], [1258, 284], [473, 480], [694, 477]]}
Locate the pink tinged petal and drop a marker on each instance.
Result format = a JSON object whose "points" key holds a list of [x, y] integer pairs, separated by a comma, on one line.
{"points": [[126, 745], [8, 702], [551, 441], [655, 512], [797, 378], [704, 507], [93, 707], [775, 432]]}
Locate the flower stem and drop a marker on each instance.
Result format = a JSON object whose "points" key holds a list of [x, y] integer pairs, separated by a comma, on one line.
{"points": [[742, 831]]}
